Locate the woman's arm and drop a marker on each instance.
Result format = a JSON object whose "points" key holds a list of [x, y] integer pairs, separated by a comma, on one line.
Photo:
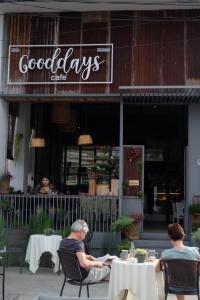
{"points": [[157, 269]]}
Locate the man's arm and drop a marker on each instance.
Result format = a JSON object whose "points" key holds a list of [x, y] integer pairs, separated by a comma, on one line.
{"points": [[87, 263]]}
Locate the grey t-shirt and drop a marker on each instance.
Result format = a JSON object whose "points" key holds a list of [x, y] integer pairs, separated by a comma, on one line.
{"points": [[187, 253], [74, 246]]}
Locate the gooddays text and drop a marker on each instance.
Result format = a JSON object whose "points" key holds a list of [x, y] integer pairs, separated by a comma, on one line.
{"points": [[83, 66]]}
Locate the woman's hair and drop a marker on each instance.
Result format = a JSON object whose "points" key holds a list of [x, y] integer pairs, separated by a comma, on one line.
{"points": [[176, 232], [47, 177], [79, 225]]}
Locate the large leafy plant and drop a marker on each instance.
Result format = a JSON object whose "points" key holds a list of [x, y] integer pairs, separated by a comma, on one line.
{"points": [[39, 224]]}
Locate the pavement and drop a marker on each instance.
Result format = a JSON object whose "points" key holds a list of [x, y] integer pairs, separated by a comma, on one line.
{"points": [[27, 286]]}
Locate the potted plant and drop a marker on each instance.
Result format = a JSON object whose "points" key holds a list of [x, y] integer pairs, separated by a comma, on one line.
{"points": [[105, 168], [196, 236], [5, 182], [194, 210], [140, 254], [128, 225]]}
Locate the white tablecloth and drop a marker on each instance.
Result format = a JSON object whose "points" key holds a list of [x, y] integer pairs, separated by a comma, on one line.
{"points": [[140, 279], [38, 244]]}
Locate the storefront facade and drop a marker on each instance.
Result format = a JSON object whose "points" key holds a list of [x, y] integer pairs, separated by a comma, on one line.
{"points": [[131, 70]]}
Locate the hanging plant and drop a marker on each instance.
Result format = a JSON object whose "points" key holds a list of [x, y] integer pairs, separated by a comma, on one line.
{"points": [[17, 143]]}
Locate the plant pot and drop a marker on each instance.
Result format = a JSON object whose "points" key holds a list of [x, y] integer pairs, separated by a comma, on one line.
{"points": [[132, 231], [103, 189], [4, 186], [141, 258], [114, 187], [195, 221], [92, 187]]}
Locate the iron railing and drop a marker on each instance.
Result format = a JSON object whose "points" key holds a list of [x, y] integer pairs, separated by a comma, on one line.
{"points": [[98, 211]]}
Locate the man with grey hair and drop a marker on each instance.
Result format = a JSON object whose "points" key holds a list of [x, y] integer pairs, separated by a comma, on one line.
{"points": [[91, 270]]}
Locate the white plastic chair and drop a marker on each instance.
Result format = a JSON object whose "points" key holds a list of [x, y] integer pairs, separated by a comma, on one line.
{"points": [[178, 211]]}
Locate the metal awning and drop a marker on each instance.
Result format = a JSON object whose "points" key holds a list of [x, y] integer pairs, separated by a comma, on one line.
{"points": [[172, 95], [65, 97]]}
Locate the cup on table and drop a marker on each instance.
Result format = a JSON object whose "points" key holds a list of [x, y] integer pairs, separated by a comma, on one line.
{"points": [[152, 254], [124, 254], [132, 255]]}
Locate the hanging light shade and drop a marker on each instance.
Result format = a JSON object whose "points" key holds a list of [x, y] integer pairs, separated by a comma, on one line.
{"points": [[38, 143], [85, 139]]}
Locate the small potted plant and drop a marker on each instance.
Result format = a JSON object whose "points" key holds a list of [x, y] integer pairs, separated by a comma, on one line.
{"points": [[5, 179], [194, 210], [196, 237], [140, 254]]}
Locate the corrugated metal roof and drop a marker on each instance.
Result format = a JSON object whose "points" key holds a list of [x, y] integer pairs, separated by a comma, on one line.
{"points": [[177, 95]]}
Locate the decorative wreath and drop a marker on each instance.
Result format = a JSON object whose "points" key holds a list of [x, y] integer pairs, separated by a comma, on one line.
{"points": [[132, 155]]}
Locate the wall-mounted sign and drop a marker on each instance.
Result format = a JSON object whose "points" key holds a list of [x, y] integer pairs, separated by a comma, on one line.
{"points": [[133, 182], [60, 64]]}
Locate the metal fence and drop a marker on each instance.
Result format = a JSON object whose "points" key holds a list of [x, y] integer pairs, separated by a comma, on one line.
{"points": [[99, 212]]}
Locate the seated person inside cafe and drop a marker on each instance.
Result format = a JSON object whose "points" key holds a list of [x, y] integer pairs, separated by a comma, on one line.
{"points": [[92, 270], [179, 251], [45, 187]]}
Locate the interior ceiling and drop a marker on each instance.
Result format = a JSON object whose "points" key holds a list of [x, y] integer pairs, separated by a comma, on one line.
{"points": [[11, 6]]}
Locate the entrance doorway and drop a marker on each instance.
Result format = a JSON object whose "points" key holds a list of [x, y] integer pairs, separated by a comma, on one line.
{"points": [[162, 130]]}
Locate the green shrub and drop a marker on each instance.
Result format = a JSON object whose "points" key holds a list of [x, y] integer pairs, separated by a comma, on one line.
{"points": [[39, 223], [124, 245], [196, 235], [194, 208], [121, 223]]}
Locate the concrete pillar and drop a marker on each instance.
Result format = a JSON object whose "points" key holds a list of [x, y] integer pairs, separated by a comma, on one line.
{"points": [[21, 165], [3, 105], [193, 155]]}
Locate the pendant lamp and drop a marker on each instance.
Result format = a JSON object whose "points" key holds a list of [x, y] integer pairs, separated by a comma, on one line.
{"points": [[85, 138], [38, 143]]}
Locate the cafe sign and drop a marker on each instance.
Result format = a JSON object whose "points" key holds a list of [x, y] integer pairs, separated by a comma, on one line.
{"points": [[60, 64]]}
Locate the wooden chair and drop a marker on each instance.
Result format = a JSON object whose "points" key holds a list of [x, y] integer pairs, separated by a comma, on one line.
{"points": [[181, 277], [72, 271]]}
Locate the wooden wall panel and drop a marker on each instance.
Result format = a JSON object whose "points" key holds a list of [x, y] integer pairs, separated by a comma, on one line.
{"points": [[69, 33], [95, 33], [121, 37], [147, 49], [192, 47], [150, 48]]}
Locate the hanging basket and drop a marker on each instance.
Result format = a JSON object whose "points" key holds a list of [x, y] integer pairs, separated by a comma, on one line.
{"points": [[60, 113], [132, 231], [4, 186], [71, 125], [92, 187]]}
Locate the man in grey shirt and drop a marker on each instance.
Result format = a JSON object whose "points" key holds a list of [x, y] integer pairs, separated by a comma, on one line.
{"points": [[92, 270]]}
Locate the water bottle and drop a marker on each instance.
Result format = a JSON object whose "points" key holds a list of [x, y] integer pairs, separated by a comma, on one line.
{"points": [[132, 246], [132, 251]]}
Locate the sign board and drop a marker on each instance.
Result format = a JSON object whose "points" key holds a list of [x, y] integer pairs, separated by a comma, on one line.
{"points": [[133, 182], [60, 64]]}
